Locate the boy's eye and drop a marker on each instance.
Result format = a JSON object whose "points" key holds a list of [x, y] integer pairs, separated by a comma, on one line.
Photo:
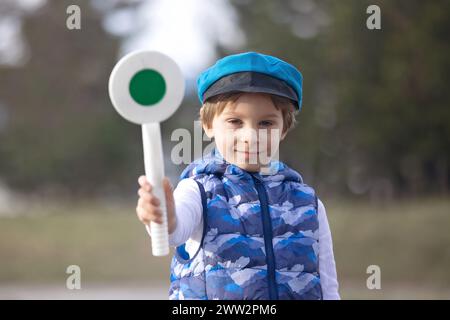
{"points": [[265, 123], [234, 121]]}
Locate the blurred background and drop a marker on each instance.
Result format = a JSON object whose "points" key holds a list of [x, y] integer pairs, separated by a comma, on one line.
{"points": [[373, 136]]}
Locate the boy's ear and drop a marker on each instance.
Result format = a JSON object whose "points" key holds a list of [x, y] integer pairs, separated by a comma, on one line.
{"points": [[209, 131], [283, 135]]}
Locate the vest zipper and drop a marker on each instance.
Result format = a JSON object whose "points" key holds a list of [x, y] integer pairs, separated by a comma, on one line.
{"points": [[267, 227]]}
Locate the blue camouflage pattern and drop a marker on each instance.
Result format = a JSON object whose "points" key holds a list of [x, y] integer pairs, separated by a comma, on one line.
{"points": [[232, 263]]}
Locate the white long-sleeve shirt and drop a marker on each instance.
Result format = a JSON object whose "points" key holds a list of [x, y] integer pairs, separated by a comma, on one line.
{"points": [[189, 228]]}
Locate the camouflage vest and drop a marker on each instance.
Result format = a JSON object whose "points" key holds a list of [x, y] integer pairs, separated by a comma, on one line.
{"points": [[260, 236]]}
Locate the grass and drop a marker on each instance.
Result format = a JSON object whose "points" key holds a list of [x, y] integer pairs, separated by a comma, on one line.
{"points": [[408, 240], [109, 244]]}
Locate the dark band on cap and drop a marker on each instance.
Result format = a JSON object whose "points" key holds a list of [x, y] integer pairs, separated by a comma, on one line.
{"points": [[251, 82]]}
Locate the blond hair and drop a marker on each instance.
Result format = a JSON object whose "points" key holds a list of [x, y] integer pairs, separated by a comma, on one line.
{"points": [[215, 105]]}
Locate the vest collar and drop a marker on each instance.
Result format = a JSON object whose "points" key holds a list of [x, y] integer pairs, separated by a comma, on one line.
{"points": [[214, 163]]}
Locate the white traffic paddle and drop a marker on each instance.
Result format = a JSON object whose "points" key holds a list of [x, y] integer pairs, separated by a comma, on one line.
{"points": [[147, 87]]}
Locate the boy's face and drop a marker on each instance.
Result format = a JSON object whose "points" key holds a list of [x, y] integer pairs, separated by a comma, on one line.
{"points": [[248, 131]]}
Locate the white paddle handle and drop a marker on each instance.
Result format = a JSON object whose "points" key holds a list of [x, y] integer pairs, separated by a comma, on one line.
{"points": [[154, 171]]}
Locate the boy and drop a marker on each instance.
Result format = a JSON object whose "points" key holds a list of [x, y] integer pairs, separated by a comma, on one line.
{"points": [[245, 225]]}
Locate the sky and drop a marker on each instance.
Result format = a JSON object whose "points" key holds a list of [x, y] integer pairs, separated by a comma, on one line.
{"points": [[13, 48], [185, 30]]}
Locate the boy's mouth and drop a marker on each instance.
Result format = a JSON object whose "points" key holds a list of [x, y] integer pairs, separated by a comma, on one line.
{"points": [[246, 152], [258, 157]]}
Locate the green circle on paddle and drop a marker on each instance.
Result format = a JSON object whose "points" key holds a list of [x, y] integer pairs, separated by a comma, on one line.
{"points": [[147, 87]]}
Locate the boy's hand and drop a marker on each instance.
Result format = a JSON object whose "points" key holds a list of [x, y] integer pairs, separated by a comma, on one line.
{"points": [[148, 204]]}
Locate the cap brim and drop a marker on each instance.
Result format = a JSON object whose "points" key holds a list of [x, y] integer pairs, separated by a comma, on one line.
{"points": [[251, 82]]}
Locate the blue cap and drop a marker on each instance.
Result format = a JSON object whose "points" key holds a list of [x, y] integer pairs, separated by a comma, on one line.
{"points": [[251, 72]]}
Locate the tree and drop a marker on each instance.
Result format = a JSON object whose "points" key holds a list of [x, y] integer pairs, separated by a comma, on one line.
{"points": [[375, 101]]}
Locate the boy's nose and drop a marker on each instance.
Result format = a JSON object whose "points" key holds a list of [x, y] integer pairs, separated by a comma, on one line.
{"points": [[249, 137]]}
